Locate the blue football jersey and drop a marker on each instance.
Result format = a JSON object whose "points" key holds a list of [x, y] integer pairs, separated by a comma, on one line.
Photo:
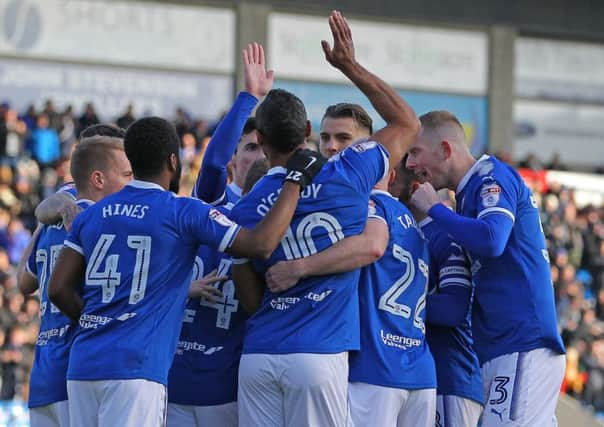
{"points": [[139, 245], [47, 380], [319, 314], [514, 299], [457, 367], [206, 364], [392, 296]]}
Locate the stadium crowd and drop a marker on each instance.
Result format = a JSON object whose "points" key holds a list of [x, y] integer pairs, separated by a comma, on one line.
{"points": [[35, 147]]}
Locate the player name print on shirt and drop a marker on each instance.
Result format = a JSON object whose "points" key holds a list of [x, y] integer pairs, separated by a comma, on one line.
{"points": [[133, 211]]}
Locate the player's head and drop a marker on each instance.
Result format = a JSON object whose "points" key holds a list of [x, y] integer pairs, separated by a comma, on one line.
{"points": [[440, 141], [152, 146], [99, 165], [402, 184], [248, 150], [281, 122], [256, 171], [341, 125]]}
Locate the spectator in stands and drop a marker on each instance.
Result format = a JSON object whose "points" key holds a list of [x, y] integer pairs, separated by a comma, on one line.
{"points": [[88, 118], [127, 118], [45, 143]]}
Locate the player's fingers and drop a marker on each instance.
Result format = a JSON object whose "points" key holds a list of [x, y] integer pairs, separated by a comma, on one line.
{"points": [[246, 56], [260, 54], [346, 28], [326, 49], [335, 31], [256, 53]]}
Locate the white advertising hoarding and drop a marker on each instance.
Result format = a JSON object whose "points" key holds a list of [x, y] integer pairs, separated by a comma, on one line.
{"points": [[119, 32], [573, 131], [552, 69], [111, 88], [406, 56]]}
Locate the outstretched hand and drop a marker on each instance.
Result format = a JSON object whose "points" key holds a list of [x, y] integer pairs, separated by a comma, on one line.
{"points": [[258, 81], [342, 53], [206, 287]]}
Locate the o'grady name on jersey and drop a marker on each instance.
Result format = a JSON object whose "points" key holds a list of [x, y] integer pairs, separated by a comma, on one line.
{"points": [[310, 192]]}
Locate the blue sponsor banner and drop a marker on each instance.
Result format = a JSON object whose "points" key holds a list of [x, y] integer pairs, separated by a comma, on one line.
{"points": [[472, 111]]}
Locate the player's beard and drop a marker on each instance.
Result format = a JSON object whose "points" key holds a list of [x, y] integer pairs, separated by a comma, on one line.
{"points": [[175, 182]]}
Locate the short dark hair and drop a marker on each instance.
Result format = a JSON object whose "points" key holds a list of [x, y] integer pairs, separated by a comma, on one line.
{"points": [[281, 119], [354, 111], [149, 142], [250, 126], [111, 131]]}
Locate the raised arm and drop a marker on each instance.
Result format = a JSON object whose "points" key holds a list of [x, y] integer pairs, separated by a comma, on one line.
{"points": [[346, 255], [212, 178], [402, 125]]}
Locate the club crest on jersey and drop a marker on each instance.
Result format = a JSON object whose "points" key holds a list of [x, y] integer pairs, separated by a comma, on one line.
{"points": [[216, 215], [489, 194]]}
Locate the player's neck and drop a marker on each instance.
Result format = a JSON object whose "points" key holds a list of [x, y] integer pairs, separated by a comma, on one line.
{"points": [[277, 159], [460, 169], [163, 179]]}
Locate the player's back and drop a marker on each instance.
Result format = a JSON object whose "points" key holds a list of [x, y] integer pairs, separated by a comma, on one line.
{"points": [[47, 380], [457, 367], [392, 294], [514, 302], [139, 245], [205, 367], [319, 314]]}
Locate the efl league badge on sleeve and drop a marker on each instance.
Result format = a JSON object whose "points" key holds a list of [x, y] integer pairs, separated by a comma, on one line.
{"points": [[489, 194], [216, 215]]}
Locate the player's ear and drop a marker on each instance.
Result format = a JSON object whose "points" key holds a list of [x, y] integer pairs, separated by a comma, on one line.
{"points": [[446, 149], [391, 176], [172, 162], [97, 179]]}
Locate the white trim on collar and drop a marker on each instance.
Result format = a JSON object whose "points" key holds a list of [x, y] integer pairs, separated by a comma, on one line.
{"points": [[470, 172], [146, 185], [385, 193], [235, 189], [275, 170], [427, 220]]}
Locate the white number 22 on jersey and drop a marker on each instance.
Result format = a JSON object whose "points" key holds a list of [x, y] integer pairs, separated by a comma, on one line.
{"points": [[102, 268], [388, 301]]}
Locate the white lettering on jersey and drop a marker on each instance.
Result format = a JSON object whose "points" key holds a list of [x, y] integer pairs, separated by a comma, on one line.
{"points": [[91, 321], [489, 193], [362, 146], [406, 221], [399, 341], [195, 346], [283, 303], [133, 211], [310, 192], [318, 297]]}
